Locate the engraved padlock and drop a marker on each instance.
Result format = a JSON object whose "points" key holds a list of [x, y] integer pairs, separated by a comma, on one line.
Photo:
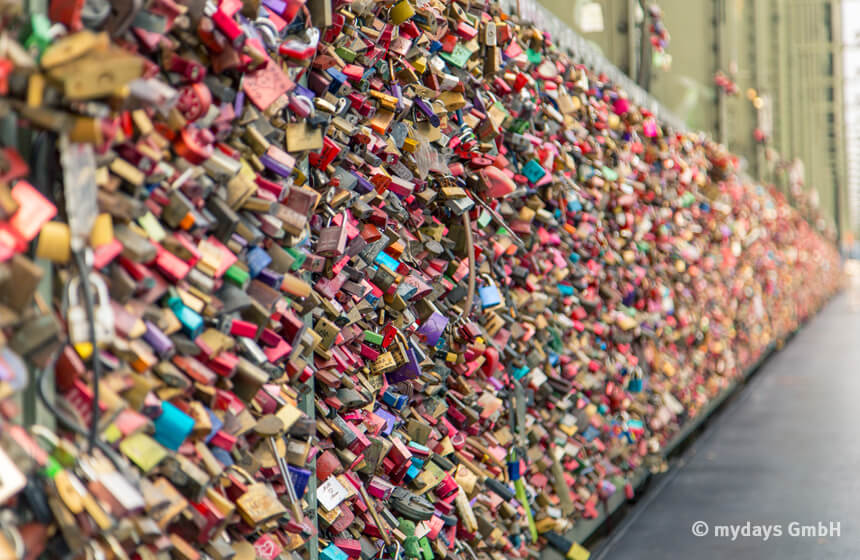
{"points": [[259, 503], [103, 317]]}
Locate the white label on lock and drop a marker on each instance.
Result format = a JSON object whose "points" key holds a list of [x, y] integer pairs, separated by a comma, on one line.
{"points": [[11, 479], [568, 420], [331, 493]]}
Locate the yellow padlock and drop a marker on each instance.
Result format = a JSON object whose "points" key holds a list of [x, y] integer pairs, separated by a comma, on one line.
{"points": [[102, 231], [87, 129], [84, 350], [401, 11], [55, 243], [35, 89]]}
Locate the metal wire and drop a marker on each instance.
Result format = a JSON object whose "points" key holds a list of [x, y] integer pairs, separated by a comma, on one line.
{"points": [[84, 273], [470, 247]]}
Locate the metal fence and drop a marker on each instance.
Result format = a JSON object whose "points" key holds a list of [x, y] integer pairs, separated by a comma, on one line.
{"points": [[585, 52]]}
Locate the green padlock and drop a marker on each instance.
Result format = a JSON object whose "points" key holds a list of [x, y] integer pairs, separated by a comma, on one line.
{"points": [[458, 57], [346, 54], [426, 550], [411, 547], [37, 36]]}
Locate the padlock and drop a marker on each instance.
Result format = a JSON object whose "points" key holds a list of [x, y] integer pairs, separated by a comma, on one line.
{"points": [[55, 243], [258, 504], [332, 239], [194, 100], [302, 137], [102, 231], [489, 294], [300, 47], [103, 316]]}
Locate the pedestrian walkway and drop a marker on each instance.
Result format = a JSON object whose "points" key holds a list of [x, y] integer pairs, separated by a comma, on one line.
{"points": [[785, 453]]}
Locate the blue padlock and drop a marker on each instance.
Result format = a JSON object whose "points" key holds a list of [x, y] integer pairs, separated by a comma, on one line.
{"points": [[635, 383], [258, 259], [192, 322], [217, 424], [412, 472], [172, 426], [223, 456], [300, 478], [393, 399], [387, 260], [332, 552], [590, 433], [338, 78], [520, 372], [533, 171], [489, 294]]}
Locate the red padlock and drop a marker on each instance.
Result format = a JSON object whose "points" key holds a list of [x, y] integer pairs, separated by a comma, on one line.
{"points": [[194, 101], [194, 144]]}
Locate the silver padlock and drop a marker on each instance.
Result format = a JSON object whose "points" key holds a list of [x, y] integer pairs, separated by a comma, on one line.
{"points": [[103, 317], [490, 34]]}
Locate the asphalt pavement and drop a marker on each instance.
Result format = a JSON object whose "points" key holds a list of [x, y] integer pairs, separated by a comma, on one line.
{"points": [[776, 475]]}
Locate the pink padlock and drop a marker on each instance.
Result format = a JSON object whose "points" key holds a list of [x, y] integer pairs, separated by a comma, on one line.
{"points": [[447, 487], [301, 106]]}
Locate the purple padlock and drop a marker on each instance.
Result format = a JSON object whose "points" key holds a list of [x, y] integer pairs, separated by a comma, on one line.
{"points": [[270, 278], [409, 370], [390, 420], [431, 330], [159, 341], [274, 166], [425, 108]]}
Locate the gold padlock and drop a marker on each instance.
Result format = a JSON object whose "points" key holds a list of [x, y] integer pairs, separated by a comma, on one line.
{"points": [[102, 231], [71, 47], [55, 242], [466, 479], [401, 11], [383, 364], [259, 503], [301, 137]]}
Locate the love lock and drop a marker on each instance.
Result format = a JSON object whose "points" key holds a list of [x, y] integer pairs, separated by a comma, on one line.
{"points": [[301, 47], [489, 294], [268, 32], [103, 316], [301, 105], [411, 506]]}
